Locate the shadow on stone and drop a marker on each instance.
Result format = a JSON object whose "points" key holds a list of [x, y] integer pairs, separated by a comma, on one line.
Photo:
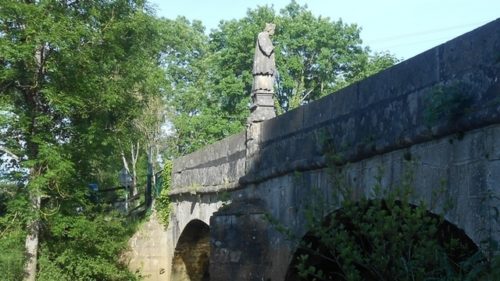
{"points": [[190, 261]]}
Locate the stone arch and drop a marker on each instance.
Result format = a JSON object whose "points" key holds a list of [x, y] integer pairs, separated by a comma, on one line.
{"points": [[191, 256], [445, 229]]}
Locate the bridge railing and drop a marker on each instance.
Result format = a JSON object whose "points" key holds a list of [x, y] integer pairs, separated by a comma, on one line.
{"points": [[446, 90], [213, 168]]}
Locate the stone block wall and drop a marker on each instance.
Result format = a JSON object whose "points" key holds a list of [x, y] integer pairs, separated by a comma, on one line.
{"points": [[213, 168], [148, 251], [439, 111], [457, 82]]}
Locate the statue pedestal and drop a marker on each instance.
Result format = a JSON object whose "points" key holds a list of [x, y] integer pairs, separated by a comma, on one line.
{"points": [[262, 107]]}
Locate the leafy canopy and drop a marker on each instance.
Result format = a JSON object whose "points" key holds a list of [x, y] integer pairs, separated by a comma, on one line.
{"points": [[211, 79], [72, 76]]}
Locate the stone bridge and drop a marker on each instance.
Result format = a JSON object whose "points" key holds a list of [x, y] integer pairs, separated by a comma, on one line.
{"points": [[436, 115]]}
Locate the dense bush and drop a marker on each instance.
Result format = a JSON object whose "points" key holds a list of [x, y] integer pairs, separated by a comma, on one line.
{"points": [[84, 247], [386, 240], [385, 237]]}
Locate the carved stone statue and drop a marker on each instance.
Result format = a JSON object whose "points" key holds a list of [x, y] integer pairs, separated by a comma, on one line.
{"points": [[264, 71], [264, 67], [262, 107]]}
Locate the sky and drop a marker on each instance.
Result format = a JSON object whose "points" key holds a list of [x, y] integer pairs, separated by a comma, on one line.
{"points": [[405, 28]]}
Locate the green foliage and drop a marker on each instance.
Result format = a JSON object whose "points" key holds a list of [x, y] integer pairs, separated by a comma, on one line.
{"points": [[12, 255], [224, 197], [315, 55], [192, 112], [381, 240], [72, 76], [163, 203], [211, 77], [99, 66], [383, 237], [80, 247], [12, 232], [447, 103]]}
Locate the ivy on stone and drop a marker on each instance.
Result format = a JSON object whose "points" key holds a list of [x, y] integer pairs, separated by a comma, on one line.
{"points": [[163, 201]]}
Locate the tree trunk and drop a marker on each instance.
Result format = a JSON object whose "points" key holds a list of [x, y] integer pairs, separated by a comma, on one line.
{"points": [[134, 156], [34, 102], [32, 241], [151, 156], [149, 187]]}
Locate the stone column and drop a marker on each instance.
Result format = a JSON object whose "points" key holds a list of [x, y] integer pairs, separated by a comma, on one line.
{"points": [[262, 108]]}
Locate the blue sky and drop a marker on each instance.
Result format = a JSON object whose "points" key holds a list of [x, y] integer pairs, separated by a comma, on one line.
{"points": [[402, 27]]}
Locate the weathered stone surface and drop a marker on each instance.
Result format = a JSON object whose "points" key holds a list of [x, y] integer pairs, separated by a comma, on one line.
{"points": [[386, 111], [264, 66], [263, 72], [186, 208], [331, 107], [379, 124], [260, 110], [241, 253], [217, 166], [474, 50], [408, 76], [148, 251], [283, 125], [191, 257], [465, 172]]}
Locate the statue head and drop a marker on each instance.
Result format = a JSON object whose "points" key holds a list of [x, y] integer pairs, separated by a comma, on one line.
{"points": [[270, 28]]}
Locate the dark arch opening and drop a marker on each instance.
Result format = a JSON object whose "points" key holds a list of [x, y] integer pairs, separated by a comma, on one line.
{"points": [[323, 248], [191, 257]]}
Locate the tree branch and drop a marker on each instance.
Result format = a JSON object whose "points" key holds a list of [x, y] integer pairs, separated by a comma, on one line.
{"points": [[124, 159], [9, 153]]}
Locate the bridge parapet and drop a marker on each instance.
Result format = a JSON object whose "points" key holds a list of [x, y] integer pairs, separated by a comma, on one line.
{"points": [[213, 168], [440, 109], [450, 89], [457, 82]]}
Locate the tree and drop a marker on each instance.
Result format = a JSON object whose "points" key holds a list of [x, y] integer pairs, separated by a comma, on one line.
{"points": [[150, 125], [146, 129], [187, 62], [315, 56], [70, 72]]}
